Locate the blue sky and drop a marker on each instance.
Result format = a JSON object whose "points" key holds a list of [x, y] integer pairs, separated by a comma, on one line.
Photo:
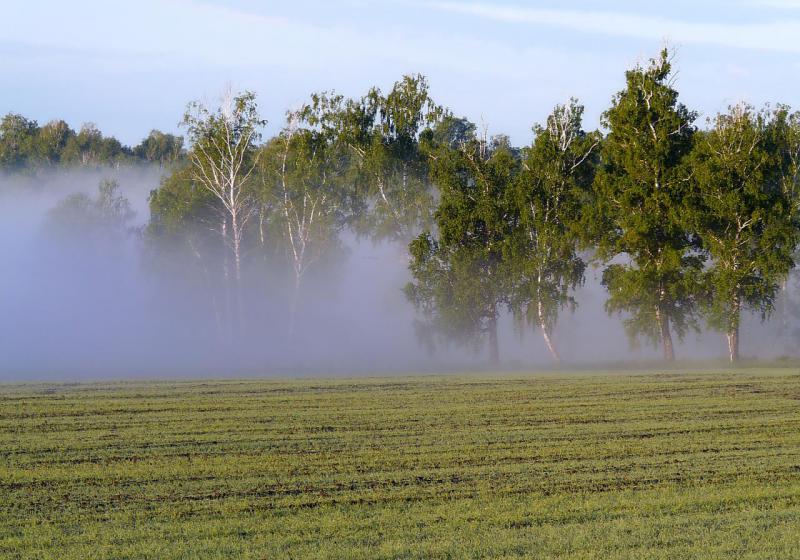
{"points": [[133, 66]]}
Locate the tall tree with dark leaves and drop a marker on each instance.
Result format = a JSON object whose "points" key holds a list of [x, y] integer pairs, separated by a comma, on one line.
{"points": [[461, 276], [788, 123], [743, 215], [639, 194], [550, 193]]}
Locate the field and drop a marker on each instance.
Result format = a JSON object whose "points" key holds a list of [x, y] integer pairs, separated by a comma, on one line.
{"points": [[673, 465]]}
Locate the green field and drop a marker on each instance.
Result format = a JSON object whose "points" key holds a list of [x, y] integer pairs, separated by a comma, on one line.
{"points": [[671, 466]]}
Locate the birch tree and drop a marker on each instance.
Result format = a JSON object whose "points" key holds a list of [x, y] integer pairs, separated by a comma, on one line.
{"points": [[551, 190], [301, 170], [743, 215], [382, 133], [223, 157], [639, 189]]}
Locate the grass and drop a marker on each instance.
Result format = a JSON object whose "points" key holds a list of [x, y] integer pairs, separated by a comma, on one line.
{"points": [[550, 466]]}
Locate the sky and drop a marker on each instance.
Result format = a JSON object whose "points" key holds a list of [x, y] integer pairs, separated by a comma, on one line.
{"points": [[130, 67]]}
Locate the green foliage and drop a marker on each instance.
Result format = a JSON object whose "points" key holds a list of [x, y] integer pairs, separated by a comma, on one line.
{"points": [[742, 212], [450, 131], [90, 148], [17, 141], [160, 148], [389, 169], [646, 292], [182, 243], [637, 215], [52, 142], [787, 140], [461, 277], [577, 466], [179, 206], [236, 118]]}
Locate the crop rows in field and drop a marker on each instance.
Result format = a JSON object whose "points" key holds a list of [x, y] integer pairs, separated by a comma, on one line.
{"points": [[580, 466]]}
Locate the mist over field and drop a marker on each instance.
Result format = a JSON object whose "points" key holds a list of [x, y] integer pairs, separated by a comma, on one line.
{"points": [[83, 308], [87, 307]]}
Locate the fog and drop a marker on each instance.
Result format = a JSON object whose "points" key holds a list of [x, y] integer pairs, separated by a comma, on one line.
{"points": [[84, 308]]}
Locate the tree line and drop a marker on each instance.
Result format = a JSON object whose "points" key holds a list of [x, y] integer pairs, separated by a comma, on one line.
{"points": [[691, 225], [26, 146]]}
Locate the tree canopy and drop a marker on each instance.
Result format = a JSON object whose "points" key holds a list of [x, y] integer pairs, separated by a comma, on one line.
{"points": [[461, 276]]}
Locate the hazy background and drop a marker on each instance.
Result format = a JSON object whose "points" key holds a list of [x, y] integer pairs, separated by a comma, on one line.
{"points": [[93, 308]]}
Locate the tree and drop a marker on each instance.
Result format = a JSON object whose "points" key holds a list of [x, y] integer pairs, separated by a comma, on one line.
{"points": [[160, 148], [104, 218], [743, 215], [17, 139], [549, 194], [460, 278], [223, 157], [52, 141], [302, 170], [90, 148], [449, 131], [639, 190], [389, 168]]}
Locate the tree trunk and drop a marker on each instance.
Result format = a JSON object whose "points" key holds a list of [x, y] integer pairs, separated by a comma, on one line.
{"points": [[236, 234], [227, 281], [733, 332], [546, 334], [293, 308], [666, 336], [261, 228], [210, 287], [494, 349], [786, 339], [733, 344]]}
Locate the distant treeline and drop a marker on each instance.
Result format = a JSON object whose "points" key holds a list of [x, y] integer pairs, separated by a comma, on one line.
{"points": [[692, 226], [24, 145]]}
